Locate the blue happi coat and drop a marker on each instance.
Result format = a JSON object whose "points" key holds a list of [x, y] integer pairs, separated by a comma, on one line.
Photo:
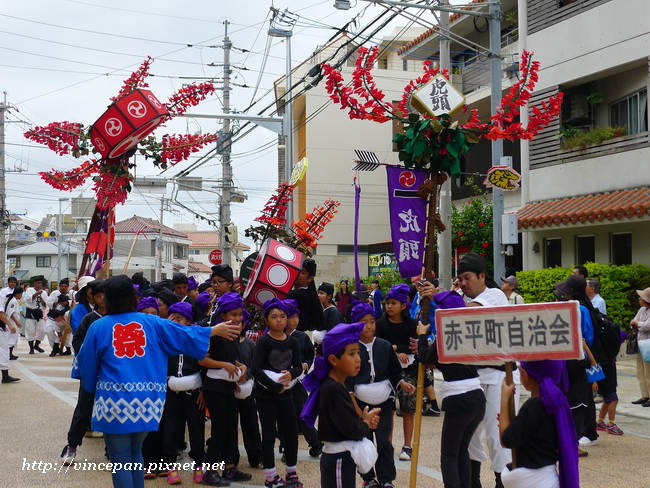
{"points": [[124, 361]]}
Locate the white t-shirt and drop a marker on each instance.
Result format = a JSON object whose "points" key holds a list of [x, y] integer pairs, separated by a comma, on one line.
{"points": [[490, 297]]}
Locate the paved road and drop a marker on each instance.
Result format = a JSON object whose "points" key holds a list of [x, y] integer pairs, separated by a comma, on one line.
{"points": [[36, 413]]}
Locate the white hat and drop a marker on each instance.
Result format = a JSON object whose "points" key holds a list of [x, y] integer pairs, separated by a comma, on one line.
{"points": [[84, 281]]}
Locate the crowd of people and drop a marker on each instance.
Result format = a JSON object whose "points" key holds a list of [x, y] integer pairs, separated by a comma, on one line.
{"points": [[157, 360]]}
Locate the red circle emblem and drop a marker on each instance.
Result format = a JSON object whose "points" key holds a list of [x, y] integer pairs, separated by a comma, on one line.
{"points": [[407, 179]]}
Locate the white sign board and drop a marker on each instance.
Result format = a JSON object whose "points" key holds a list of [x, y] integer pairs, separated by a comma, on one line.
{"points": [[526, 332], [437, 97]]}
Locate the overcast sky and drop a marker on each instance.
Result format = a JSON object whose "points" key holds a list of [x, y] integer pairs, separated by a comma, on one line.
{"points": [[63, 60]]}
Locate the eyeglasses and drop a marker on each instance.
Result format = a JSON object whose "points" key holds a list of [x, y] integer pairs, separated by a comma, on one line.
{"points": [[215, 282]]}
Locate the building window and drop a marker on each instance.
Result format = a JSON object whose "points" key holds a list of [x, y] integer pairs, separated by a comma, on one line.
{"points": [[585, 249], [43, 261], [180, 252], [14, 261], [621, 248], [405, 64], [630, 112], [349, 249], [552, 252], [194, 252], [382, 63]]}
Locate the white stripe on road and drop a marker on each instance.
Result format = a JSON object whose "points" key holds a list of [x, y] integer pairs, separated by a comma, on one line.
{"points": [[45, 385]]}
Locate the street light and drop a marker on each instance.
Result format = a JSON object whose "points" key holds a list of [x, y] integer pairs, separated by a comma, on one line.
{"points": [[286, 20], [60, 236]]}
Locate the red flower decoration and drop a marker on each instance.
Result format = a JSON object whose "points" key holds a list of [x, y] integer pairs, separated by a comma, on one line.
{"points": [[485, 245]]}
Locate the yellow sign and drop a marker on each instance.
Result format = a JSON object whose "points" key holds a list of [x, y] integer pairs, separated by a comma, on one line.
{"points": [[502, 177], [299, 171]]}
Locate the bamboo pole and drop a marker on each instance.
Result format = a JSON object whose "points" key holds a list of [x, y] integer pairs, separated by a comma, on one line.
{"points": [[511, 406], [426, 306], [128, 258]]}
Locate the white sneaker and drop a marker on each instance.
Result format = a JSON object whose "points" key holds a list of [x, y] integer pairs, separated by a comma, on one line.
{"points": [[586, 441], [406, 453]]}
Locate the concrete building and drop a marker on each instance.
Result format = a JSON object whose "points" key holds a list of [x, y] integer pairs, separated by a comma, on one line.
{"points": [[138, 248], [41, 258], [578, 202]]}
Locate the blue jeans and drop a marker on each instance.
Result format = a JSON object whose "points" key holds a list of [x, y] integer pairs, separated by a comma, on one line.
{"points": [[125, 452]]}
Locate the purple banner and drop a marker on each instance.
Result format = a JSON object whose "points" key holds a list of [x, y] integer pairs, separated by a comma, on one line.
{"points": [[407, 218]]}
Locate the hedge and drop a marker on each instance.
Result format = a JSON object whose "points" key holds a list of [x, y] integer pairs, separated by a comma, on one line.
{"points": [[618, 286]]}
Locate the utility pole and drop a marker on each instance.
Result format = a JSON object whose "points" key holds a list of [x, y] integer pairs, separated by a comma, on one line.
{"points": [[444, 238], [494, 26], [3, 208], [226, 168], [160, 245]]}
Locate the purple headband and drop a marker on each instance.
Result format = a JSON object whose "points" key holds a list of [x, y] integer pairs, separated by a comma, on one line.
{"points": [[229, 301], [182, 308], [449, 299], [551, 376], [333, 343], [191, 283], [202, 300], [147, 302], [292, 307], [360, 310], [399, 293], [276, 303]]}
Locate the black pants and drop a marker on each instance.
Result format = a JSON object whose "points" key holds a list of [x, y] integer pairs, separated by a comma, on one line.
{"points": [[299, 395], [250, 431], [337, 470], [81, 417], [578, 414], [181, 408], [589, 429], [280, 411], [457, 431], [152, 447], [223, 433], [385, 465]]}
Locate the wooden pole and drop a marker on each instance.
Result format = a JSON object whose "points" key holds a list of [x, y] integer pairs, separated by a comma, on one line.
{"points": [[128, 258], [107, 262], [426, 306]]}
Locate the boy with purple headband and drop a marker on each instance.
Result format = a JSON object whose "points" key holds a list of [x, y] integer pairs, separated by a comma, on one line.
{"points": [[542, 432], [340, 426], [375, 387]]}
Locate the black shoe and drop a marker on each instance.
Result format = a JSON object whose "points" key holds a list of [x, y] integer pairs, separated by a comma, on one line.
{"points": [[646, 404], [9, 379], [255, 464], [11, 354], [233, 474], [430, 412], [640, 401], [37, 346], [66, 352], [212, 478], [55, 350], [31, 347]]}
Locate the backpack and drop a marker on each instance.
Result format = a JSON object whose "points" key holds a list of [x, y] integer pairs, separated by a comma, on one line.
{"points": [[607, 337]]}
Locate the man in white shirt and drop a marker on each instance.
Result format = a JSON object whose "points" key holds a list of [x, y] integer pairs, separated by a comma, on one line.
{"points": [[593, 292], [472, 272], [36, 306], [63, 289], [12, 283]]}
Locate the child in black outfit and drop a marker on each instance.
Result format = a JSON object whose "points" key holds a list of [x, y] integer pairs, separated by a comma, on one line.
{"points": [[342, 429], [276, 365], [375, 386], [542, 432], [397, 327]]}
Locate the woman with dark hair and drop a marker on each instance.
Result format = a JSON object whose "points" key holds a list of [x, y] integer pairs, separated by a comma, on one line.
{"points": [[343, 297], [124, 362]]}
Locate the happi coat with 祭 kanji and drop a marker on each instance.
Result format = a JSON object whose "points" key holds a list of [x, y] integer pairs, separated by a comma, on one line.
{"points": [[124, 361]]}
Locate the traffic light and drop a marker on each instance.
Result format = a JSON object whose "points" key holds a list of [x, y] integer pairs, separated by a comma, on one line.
{"points": [[46, 233], [231, 234]]}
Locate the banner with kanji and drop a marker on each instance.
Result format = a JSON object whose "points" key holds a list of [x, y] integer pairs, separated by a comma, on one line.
{"points": [[407, 218], [509, 333]]}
